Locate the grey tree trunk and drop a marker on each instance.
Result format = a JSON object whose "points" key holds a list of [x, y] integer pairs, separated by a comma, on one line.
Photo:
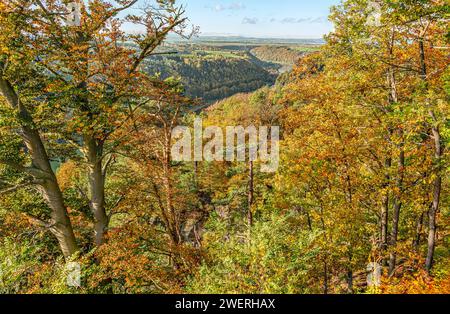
{"points": [[251, 190], [97, 175], [396, 214], [393, 98], [60, 224], [432, 229], [41, 170], [438, 154], [171, 212]]}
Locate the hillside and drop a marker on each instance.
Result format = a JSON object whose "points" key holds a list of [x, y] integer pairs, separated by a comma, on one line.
{"points": [[212, 75], [277, 54], [215, 69]]}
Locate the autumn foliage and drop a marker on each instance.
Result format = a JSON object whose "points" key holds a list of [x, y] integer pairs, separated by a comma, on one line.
{"points": [[87, 176]]}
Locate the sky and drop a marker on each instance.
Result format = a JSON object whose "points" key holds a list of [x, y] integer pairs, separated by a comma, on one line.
{"points": [[261, 18]]}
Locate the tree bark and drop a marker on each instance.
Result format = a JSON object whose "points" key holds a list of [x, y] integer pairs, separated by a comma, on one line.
{"points": [[60, 225], [438, 154], [393, 98], [173, 220], [437, 187], [250, 196], [385, 210], [419, 228], [41, 169], [350, 289], [97, 175], [396, 214], [325, 279], [432, 224]]}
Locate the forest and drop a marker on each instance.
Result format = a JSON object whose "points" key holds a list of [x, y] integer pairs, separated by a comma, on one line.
{"points": [[87, 179], [212, 76], [278, 54], [211, 69]]}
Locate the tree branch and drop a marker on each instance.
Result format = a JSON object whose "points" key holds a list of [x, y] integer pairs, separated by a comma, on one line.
{"points": [[39, 222], [111, 158], [17, 187]]}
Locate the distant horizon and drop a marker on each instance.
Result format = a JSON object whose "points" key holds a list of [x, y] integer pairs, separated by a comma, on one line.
{"points": [[237, 36]]}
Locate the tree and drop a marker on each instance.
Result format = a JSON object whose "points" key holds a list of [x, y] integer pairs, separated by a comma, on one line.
{"points": [[20, 83], [92, 76], [392, 45]]}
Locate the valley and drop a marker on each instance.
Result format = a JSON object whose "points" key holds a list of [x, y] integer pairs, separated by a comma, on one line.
{"points": [[214, 68]]}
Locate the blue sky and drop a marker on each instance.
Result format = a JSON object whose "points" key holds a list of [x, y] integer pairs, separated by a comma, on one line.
{"points": [[261, 18]]}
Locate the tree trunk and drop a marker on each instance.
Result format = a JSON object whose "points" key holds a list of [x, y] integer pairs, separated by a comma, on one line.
{"points": [[437, 186], [308, 219], [385, 211], [384, 223], [41, 169], [432, 223], [350, 289], [173, 216], [416, 242], [251, 190], [438, 154], [325, 279], [396, 214], [60, 225], [96, 175], [393, 98]]}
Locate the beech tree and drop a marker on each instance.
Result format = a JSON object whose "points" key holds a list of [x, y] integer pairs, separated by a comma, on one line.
{"points": [[92, 76], [403, 45], [20, 85]]}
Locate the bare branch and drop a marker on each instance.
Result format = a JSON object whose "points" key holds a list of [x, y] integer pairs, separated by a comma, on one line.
{"points": [[17, 187], [39, 222], [111, 158]]}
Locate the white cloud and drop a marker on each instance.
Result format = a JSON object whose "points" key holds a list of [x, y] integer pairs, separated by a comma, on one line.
{"points": [[288, 20], [250, 20], [321, 19]]}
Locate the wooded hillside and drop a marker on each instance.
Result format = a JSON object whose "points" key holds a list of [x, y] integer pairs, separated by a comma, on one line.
{"points": [[212, 76], [277, 54]]}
